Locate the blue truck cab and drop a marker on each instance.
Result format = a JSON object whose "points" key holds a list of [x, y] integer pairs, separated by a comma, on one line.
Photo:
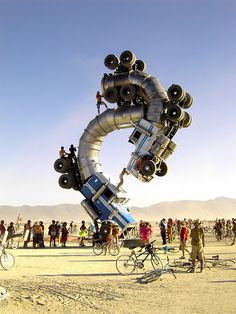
{"points": [[152, 148], [103, 202]]}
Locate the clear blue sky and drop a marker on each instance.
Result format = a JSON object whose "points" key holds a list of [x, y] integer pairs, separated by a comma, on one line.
{"points": [[51, 65]]}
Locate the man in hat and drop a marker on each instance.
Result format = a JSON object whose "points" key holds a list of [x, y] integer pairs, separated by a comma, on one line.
{"points": [[198, 243]]}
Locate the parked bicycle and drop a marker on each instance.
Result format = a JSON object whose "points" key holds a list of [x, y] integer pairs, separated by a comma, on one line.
{"points": [[100, 247], [7, 260], [155, 274], [214, 261], [127, 263]]}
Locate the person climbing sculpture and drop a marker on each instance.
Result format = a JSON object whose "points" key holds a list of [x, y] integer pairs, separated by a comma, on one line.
{"points": [[123, 172], [99, 101]]}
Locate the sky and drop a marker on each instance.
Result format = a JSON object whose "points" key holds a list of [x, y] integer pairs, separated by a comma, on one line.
{"points": [[51, 65]]}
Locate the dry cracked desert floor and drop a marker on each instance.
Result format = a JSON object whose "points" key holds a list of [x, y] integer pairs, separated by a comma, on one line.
{"points": [[74, 280]]}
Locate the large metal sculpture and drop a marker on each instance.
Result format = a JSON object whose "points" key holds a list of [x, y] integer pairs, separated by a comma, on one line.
{"points": [[142, 104]]}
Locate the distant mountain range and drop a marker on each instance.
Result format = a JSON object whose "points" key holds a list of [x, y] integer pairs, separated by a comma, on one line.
{"points": [[210, 209]]}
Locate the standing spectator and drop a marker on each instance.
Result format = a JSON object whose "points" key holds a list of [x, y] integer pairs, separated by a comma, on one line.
{"points": [[141, 229], [108, 239], [163, 227], [83, 233], [52, 231], [170, 230], [183, 239], [2, 227], [147, 232], [234, 230], [115, 234], [11, 231], [42, 235], [71, 227], [64, 234], [198, 243], [58, 233], [27, 233], [37, 235]]}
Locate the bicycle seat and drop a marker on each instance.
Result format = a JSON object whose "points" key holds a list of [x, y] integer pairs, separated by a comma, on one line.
{"points": [[215, 256]]}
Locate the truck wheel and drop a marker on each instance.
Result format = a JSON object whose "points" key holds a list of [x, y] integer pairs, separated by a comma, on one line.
{"points": [[176, 93], [127, 58], [148, 168], [174, 113], [162, 169], [111, 95], [187, 120], [111, 62], [62, 165], [187, 102], [127, 92], [140, 65], [66, 181]]}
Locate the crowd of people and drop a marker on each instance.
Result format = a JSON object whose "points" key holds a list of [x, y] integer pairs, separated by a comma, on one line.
{"points": [[170, 231], [223, 228]]}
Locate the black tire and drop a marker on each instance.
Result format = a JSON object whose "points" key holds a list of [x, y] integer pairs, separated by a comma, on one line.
{"points": [[7, 260], [66, 181], [62, 165], [187, 120], [98, 248], [176, 93], [147, 168], [162, 169], [187, 102], [111, 62], [156, 262], [111, 94], [174, 113], [127, 92], [127, 58], [140, 65], [125, 264]]}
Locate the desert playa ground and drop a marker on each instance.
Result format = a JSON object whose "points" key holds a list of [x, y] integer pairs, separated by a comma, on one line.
{"points": [[74, 280]]}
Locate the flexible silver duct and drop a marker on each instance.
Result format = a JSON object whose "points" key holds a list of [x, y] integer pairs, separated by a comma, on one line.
{"points": [[93, 136], [150, 88]]}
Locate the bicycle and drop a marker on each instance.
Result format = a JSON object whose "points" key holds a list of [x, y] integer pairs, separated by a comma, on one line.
{"points": [[127, 263], [215, 260], [154, 275], [99, 248], [229, 237], [7, 260]]}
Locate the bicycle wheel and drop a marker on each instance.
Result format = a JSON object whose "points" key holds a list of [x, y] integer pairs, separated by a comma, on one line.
{"points": [[114, 249], [98, 248], [156, 262], [7, 260], [228, 239], [125, 264], [225, 263]]}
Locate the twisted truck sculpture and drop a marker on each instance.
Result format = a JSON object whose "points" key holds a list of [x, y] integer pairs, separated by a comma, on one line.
{"points": [[142, 104]]}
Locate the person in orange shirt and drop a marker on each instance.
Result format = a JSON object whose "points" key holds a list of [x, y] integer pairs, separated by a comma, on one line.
{"points": [[99, 101]]}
